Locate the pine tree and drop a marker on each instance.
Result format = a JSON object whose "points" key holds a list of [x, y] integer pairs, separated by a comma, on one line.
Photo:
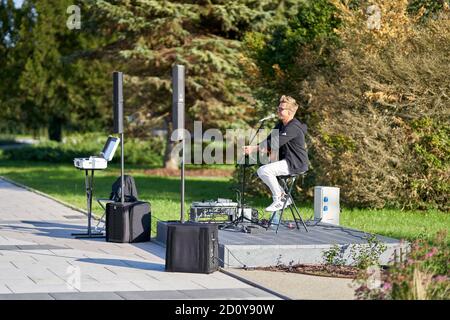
{"points": [[9, 21], [52, 91]]}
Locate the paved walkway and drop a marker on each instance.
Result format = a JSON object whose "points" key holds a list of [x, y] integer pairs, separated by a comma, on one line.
{"points": [[300, 286], [39, 259]]}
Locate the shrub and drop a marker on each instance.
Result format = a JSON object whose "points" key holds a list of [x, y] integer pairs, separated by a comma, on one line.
{"points": [[377, 111], [424, 274], [137, 151], [363, 255], [333, 256], [367, 255]]}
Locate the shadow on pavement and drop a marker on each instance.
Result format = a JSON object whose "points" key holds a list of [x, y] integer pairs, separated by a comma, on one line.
{"points": [[125, 263]]}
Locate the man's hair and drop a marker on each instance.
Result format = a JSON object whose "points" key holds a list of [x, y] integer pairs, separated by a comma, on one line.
{"points": [[291, 104]]}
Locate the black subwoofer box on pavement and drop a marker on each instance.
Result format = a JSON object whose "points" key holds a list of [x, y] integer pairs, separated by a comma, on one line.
{"points": [[192, 247], [128, 222]]}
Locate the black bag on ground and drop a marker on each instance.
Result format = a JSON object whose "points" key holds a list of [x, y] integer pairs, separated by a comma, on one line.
{"points": [[130, 190], [192, 247], [128, 222]]}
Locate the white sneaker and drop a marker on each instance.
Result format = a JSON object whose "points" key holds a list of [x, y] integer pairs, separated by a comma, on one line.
{"points": [[276, 205], [288, 203]]}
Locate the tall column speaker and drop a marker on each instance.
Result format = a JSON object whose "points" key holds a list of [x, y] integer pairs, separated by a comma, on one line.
{"points": [[118, 101], [178, 100]]}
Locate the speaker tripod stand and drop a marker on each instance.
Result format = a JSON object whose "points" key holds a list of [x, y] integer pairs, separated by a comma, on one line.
{"points": [[241, 222]]}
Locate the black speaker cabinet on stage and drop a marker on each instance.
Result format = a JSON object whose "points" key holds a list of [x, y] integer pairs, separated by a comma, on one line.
{"points": [[192, 247]]}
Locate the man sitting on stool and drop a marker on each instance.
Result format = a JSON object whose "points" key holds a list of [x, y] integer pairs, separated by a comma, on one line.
{"points": [[293, 157]]}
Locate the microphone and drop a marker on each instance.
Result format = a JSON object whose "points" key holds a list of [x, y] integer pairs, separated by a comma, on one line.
{"points": [[268, 117]]}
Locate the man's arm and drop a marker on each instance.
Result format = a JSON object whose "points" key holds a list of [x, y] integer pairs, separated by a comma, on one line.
{"points": [[277, 141], [265, 145]]}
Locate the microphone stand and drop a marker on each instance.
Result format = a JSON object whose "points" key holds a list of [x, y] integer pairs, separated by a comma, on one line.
{"points": [[243, 166]]}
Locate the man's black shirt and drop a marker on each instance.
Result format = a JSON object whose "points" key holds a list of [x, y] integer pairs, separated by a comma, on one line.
{"points": [[291, 144]]}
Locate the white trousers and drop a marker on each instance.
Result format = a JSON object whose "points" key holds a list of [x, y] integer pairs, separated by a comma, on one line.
{"points": [[268, 174]]}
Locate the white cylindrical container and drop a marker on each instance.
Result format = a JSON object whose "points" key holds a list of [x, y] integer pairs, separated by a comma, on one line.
{"points": [[326, 204]]}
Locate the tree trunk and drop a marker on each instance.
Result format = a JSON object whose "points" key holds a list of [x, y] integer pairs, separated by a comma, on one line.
{"points": [[170, 159], [55, 129]]}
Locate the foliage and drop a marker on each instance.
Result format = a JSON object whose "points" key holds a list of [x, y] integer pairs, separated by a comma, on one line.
{"points": [[277, 51], [366, 255], [149, 151], [363, 255], [9, 17], [378, 111], [333, 256], [43, 89], [277, 60], [430, 8], [137, 151], [423, 275]]}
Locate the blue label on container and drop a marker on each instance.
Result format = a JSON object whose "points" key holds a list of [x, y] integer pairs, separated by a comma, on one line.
{"points": [[325, 199], [325, 208]]}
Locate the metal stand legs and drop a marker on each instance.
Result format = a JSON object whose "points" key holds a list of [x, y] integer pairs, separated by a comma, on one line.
{"points": [[89, 181], [296, 213]]}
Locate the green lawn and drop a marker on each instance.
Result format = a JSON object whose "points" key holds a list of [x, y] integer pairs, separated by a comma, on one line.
{"points": [[67, 183]]}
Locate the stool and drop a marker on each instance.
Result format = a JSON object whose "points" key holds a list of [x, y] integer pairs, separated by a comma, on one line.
{"points": [[287, 182]]}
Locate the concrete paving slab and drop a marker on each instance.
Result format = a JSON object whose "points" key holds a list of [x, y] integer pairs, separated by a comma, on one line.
{"points": [[26, 296], [9, 247], [35, 288], [182, 285], [154, 295], [137, 277], [87, 296], [18, 259], [13, 277], [219, 284], [110, 286], [121, 270], [236, 294], [4, 289], [70, 254], [47, 280], [24, 281], [300, 286], [221, 294], [7, 267], [41, 271], [259, 293], [153, 285]]}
